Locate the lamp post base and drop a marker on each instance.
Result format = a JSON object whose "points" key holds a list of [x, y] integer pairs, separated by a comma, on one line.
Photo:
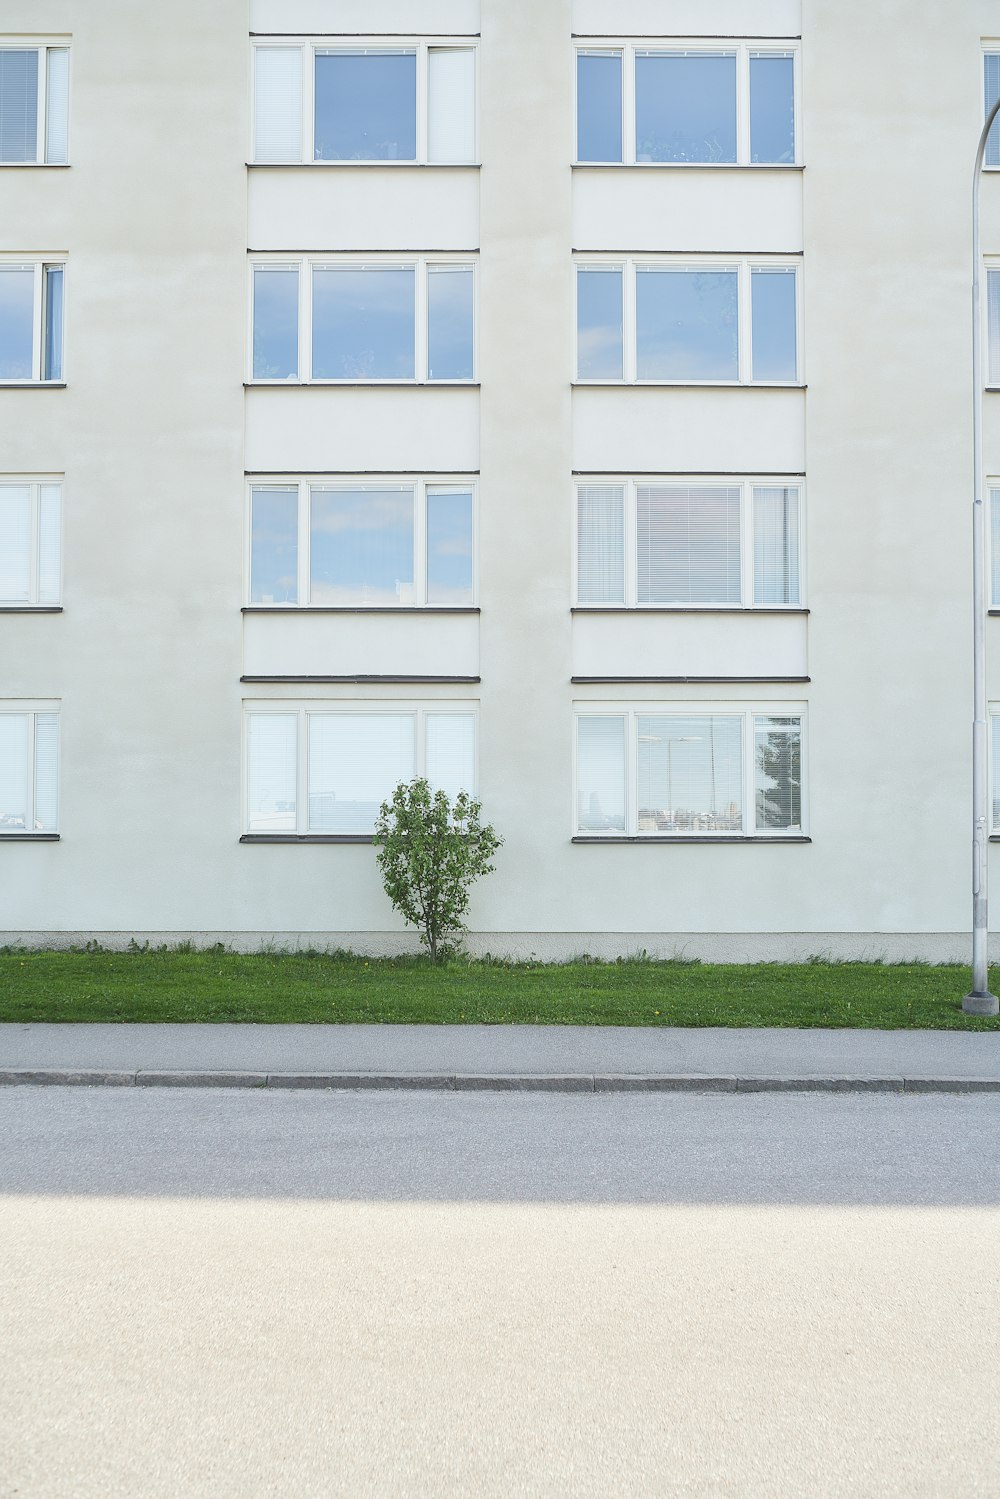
{"points": [[980, 1002]]}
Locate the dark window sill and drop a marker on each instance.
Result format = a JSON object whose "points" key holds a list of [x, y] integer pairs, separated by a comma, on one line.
{"points": [[363, 681], [686, 384], [361, 384], [43, 166], [29, 837], [32, 384], [687, 166], [692, 838], [31, 608], [307, 838], [684, 681], [714, 609], [367, 166]]}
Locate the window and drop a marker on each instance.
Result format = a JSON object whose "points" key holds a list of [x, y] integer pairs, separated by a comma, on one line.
{"points": [[700, 104], [356, 543], [31, 321], [995, 766], [325, 770], [30, 536], [991, 90], [364, 321], [688, 771], [361, 102], [667, 321], [29, 768], [993, 324], [686, 542], [34, 105]]}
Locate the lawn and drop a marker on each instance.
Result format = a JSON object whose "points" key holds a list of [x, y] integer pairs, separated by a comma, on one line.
{"points": [[180, 985]]}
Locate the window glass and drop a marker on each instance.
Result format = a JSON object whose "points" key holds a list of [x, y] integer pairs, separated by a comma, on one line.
{"points": [[361, 546], [993, 323], [775, 545], [53, 291], [275, 322], [57, 105], [449, 546], [772, 107], [599, 106], [685, 106], [15, 812], [688, 544], [449, 322], [600, 323], [773, 324], [687, 324], [366, 106], [600, 775], [363, 323], [355, 762], [274, 533], [17, 316], [15, 543], [272, 741], [778, 774], [451, 104], [451, 752], [600, 543], [991, 65], [690, 774], [18, 104]]}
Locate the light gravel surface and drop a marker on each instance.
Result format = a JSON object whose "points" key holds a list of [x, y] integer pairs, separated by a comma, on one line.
{"points": [[301, 1294]]}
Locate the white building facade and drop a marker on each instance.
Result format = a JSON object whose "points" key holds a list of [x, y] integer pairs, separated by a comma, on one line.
{"points": [[568, 401]]}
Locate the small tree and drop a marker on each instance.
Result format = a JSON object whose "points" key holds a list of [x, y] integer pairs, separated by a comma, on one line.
{"points": [[430, 851]]}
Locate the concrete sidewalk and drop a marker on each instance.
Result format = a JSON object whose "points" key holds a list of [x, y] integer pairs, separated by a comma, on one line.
{"points": [[559, 1058]]}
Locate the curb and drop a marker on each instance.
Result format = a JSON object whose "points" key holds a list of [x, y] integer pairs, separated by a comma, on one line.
{"points": [[468, 1082]]}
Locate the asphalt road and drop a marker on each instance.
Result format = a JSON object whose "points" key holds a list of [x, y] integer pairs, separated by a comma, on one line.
{"points": [[229, 1294]]}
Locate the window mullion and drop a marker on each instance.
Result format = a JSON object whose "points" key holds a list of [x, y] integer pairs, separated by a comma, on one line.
{"points": [[420, 332], [629, 331], [420, 542], [632, 773], [745, 318], [308, 55], [38, 316], [422, 101], [631, 535], [42, 105], [29, 801], [748, 521], [34, 545], [628, 102], [303, 588], [305, 319], [302, 772], [743, 105], [749, 750]]}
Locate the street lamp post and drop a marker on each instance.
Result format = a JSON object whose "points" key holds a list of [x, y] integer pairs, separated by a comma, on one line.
{"points": [[979, 1000]]}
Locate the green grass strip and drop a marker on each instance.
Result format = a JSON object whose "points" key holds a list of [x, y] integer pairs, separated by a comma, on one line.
{"points": [[161, 984]]}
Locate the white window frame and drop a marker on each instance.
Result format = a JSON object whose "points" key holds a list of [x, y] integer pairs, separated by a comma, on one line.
{"points": [[990, 47], [419, 483], [42, 48], [632, 711], [991, 265], [742, 47], [35, 482], [743, 265], [308, 47], [31, 708], [38, 264], [746, 484], [304, 709], [421, 264]]}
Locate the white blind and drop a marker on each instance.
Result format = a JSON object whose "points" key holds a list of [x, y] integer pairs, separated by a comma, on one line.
{"points": [[46, 772], [995, 550], [775, 545], [272, 740], [688, 544], [278, 104], [15, 543], [14, 811], [451, 104], [992, 90], [993, 317], [995, 736], [49, 529], [356, 760], [690, 774], [778, 773], [600, 543], [57, 104], [18, 104], [451, 752], [600, 774]]}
